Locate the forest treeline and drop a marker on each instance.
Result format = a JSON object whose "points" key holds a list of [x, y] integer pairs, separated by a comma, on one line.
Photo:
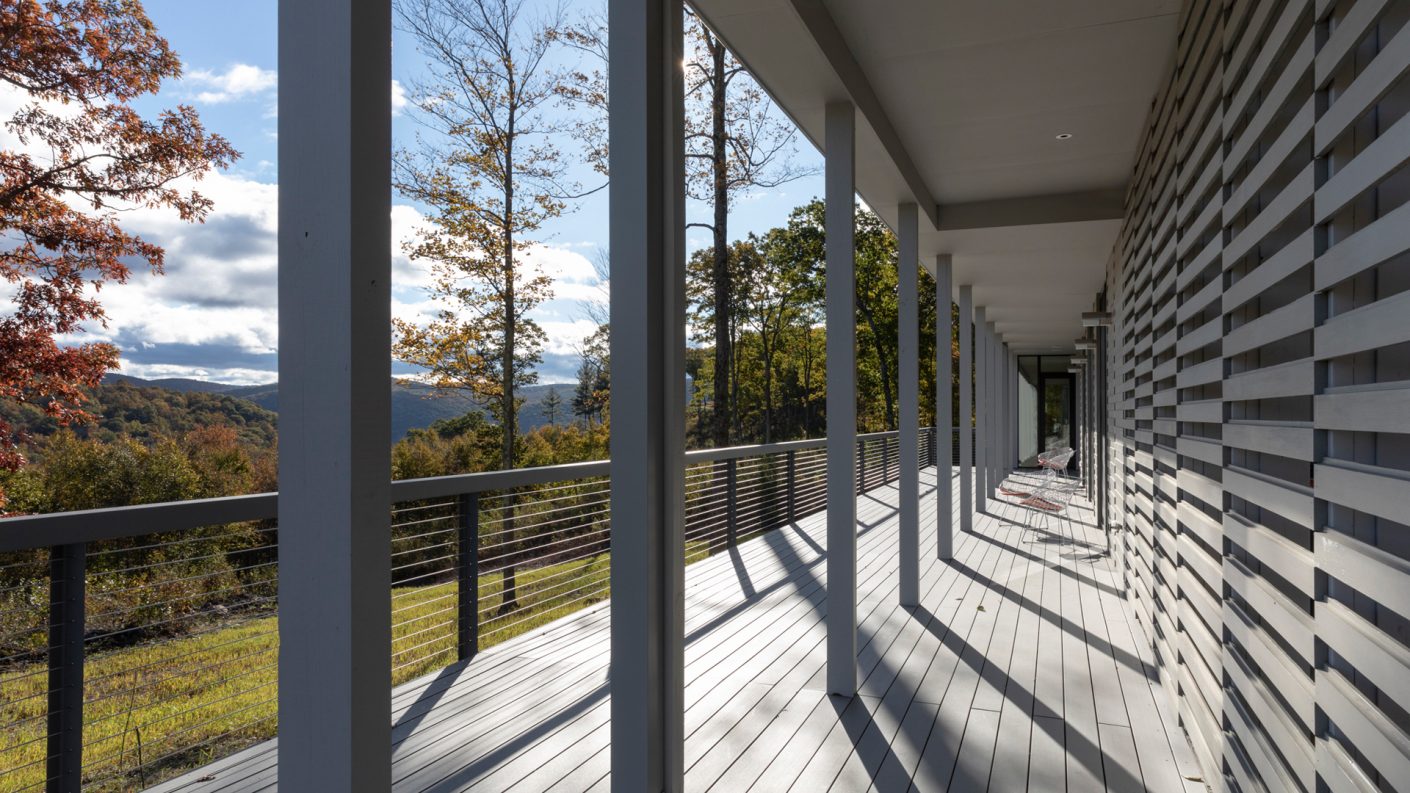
{"points": [[122, 410], [777, 352], [147, 444]]}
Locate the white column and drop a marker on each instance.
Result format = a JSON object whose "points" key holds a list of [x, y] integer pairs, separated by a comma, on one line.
{"points": [[995, 413], [966, 307], [1087, 428], [335, 242], [907, 365], [840, 189], [1010, 385], [982, 407], [1013, 410], [1001, 398], [647, 236], [1006, 375], [944, 422]]}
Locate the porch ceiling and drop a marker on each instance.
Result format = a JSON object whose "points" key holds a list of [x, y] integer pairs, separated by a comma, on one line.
{"points": [[959, 105]]}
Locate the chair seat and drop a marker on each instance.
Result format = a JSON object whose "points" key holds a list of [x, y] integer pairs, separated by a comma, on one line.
{"points": [[1043, 504]]}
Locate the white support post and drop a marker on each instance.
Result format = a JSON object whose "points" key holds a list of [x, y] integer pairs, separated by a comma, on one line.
{"points": [[647, 236], [944, 421], [908, 374], [1005, 422], [1080, 426], [335, 622], [996, 390], [839, 220], [1086, 378], [1005, 455], [982, 410], [1002, 465], [966, 407], [1001, 412], [1013, 411]]}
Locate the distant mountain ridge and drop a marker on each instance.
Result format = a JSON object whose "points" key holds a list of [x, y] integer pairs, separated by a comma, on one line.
{"points": [[413, 405], [130, 407]]}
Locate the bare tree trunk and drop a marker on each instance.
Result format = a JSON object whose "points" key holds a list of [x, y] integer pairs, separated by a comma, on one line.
{"points": [[723, 310], [509, 599]]}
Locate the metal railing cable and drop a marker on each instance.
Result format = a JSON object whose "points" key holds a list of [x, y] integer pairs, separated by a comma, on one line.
{"points": [[138, 642]]}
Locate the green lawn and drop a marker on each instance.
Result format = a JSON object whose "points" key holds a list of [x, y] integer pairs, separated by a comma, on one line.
{"points": [[155, 710]]}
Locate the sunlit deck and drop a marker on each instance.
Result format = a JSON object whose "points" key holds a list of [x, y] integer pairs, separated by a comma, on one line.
{"points": [[1021, 670]]}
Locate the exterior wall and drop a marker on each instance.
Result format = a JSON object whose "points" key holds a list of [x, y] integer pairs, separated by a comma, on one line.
{"points": [[1259, 392]]}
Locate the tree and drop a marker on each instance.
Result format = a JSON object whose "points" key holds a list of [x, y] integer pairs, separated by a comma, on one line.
{"points": [[773, 294], [733, 143], [486, 165], [875, 250], [87, 155], [592, 394], [877, 292], [551, 405], [707, 304]]}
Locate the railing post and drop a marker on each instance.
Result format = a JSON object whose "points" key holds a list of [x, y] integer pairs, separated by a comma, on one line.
{"points": [[67, 585], [862, 457], [731, 488], [885, 461], [468, 572], [792, 485]]}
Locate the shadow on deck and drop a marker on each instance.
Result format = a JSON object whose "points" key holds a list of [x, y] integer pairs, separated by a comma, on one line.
{"points": [[1020, 670]]}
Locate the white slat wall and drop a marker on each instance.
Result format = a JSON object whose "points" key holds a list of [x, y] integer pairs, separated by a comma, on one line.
{"points": [[1259, 392]]}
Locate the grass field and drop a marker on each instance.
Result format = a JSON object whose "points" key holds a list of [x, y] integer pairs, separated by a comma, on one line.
{"points": [[155, 710]]}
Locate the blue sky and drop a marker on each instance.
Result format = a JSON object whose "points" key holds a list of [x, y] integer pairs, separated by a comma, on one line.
{"points": [[214, 314]]}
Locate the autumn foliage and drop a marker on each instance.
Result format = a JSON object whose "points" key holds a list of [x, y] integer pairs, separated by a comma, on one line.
{"points": [[83, 156]]}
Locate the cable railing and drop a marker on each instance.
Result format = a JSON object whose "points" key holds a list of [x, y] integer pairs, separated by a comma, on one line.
{"points": [[139, 642]]}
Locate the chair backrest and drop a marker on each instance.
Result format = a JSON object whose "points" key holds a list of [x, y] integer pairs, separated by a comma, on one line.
{"points": [[1056, 459], [1051, 494]]}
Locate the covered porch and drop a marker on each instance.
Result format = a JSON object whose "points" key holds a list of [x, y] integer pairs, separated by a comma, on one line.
{"points": [[1202, 205]]}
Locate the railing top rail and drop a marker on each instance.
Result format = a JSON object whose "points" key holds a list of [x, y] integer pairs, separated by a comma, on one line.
{"points": [[756, 450], [112, 523], [63, 528], [485, 481]]}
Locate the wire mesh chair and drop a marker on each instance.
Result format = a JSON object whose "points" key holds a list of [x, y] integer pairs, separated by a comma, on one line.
{"points": [[1050, 463], [1047, 494], [1049, 500], [1054, 464]]}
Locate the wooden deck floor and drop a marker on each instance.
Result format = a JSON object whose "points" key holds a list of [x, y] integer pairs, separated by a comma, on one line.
{"points": [[1019, 671]]}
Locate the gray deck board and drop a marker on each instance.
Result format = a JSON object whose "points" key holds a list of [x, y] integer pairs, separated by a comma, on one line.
{"points": [[1021, 669]]}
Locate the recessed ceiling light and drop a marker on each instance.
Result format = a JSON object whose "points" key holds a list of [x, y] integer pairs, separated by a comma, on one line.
{"points": [[1064, 135]]}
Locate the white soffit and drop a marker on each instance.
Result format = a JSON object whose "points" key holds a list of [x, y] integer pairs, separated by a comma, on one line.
{"points": [[966, 99]]}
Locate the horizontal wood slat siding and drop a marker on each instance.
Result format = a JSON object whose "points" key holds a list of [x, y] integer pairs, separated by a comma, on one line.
{"points": [[1259, 392]]}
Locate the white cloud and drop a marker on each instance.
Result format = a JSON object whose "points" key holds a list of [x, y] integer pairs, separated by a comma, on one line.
{"points": [[407, 222], [398, 98], [239, 81], [565, 336], [216, 308], [563, 317], [214, 314], [416, 312], [562, 265], [233, 376]]}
